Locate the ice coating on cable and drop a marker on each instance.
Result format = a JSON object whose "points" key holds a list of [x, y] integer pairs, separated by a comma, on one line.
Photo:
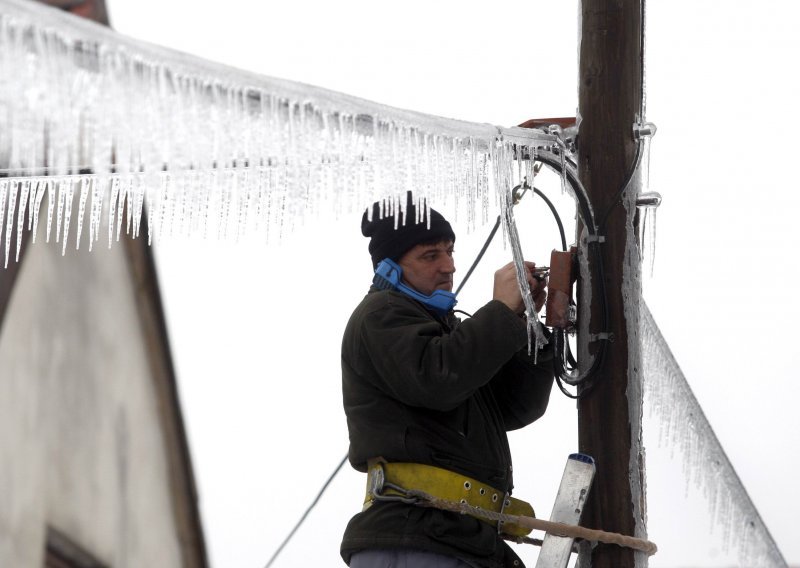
{"points": [[504, 175], [125, 127], [685, 428], [631, 295]]}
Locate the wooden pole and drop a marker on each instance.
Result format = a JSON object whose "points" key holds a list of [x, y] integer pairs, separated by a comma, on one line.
{"points": [[609, 414]]}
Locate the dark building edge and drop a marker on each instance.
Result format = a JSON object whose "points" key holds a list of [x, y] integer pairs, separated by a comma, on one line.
{"points": [[183, 487], [154, 332]]}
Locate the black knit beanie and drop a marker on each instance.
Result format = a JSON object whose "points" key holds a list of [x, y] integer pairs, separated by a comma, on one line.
{"points": [[388, 242]]}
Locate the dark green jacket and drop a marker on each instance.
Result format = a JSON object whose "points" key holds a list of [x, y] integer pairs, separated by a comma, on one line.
{"points": [[437, 391]]}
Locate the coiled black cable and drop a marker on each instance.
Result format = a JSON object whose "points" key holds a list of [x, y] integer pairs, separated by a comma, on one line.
{"points": [[565, 366]]}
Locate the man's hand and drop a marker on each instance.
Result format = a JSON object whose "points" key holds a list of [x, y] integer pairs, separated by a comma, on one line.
{"points": [[506, 288]]}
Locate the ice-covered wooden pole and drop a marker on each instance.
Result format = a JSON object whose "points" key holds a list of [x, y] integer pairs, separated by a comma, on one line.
{"points": [[609, 416]]}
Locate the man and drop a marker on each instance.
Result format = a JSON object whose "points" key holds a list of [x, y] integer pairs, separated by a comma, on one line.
{"points": [[429, 399]]}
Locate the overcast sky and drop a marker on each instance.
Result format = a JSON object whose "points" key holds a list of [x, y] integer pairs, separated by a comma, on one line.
{"points": [[255, 330]]}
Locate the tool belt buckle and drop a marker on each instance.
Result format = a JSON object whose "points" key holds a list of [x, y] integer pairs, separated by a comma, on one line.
{"points": [[506, 502], [376, 479], [377, 486]]}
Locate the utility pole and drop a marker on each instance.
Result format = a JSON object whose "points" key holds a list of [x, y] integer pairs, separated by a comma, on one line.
{"points": [[609, 413]]}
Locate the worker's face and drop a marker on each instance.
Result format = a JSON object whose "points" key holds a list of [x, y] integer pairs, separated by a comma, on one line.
{"points": [[429, 267]]}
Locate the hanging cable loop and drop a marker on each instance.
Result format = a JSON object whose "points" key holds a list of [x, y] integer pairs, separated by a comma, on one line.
{"points": [[565, 366]]}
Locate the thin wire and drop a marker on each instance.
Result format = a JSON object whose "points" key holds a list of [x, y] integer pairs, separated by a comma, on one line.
{"points": [[480, 255], [303, 518], [556, 216]]}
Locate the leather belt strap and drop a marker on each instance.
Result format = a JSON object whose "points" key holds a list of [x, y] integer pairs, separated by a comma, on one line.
{"points": [[394, 481]]}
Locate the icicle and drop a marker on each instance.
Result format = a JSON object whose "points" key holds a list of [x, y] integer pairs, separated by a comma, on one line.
{"points": [[121, 198], [112, 206], [151, 207], [31, 205], [652, 232], [67, 214], [81, 210], [12, 205], [684, 425], [60, 213], [536, 338], [89, 106], [556, 131], [41, 189], [23, 200], [4, 190], [647, 240], [51, 201], [96, 211], [138, 203], [647, 204]]}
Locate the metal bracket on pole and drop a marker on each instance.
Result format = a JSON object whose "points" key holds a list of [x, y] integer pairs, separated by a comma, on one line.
{"points": [[605, 336], [648, 199], [595, 239], [644, 130]]}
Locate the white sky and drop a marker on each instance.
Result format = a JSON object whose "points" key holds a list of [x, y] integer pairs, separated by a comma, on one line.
{"points": [[255, 330]]}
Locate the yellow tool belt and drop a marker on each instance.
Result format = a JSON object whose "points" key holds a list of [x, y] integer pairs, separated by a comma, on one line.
{"points": [[399, 481]]}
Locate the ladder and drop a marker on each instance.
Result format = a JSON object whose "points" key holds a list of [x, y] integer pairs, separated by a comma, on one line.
{"points": [[570, 501]]}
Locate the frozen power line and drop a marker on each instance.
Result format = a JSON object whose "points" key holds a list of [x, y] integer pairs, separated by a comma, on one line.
{"points": [[100, 128], [684, 424]]}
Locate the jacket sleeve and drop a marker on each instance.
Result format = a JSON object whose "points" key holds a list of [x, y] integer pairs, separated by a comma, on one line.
{"points": [[420, 363], [522, 387]]}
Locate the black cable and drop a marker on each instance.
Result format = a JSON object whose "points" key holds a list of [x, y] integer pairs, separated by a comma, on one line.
{"points": [[618, 196], [480, 255], [584, 205], [586, 214], [557, 218], [566, 350], [303, 518], [564, 390], [600, 357]]}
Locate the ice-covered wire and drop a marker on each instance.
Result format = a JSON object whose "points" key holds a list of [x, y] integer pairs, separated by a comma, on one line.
{"points": [[524, 186], [308, 510], [208, 149]]}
